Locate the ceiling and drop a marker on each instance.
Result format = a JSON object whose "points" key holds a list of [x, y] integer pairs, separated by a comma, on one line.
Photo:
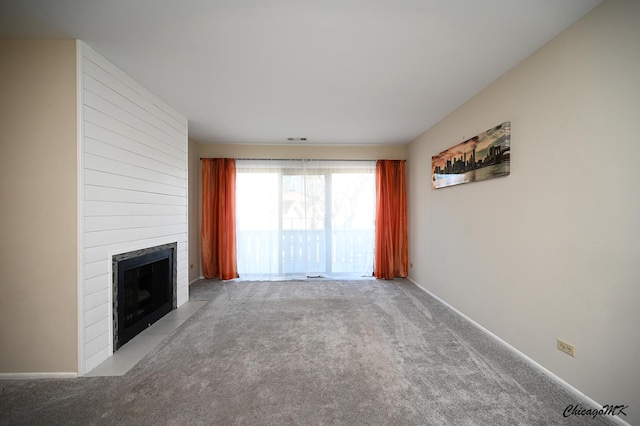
{"points": [[332, 71]]}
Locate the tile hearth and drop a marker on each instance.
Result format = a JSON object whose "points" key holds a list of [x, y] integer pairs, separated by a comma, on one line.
{"points": [[130, 354]]}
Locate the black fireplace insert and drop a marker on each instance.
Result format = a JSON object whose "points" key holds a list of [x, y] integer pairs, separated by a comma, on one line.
{"points": [[144, 291]]}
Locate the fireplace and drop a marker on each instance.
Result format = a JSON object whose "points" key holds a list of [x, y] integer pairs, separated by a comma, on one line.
{"points": [[144, 290]]}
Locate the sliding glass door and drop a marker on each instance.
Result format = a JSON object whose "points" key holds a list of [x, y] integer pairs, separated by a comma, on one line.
{"points": [[305, 218]]}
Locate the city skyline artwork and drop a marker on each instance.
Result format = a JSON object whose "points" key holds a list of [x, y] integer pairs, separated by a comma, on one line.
{"points": [[484, 156]]}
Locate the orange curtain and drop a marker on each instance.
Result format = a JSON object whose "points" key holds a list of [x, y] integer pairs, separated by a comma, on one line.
{"points": [[218, 233], [392, 256]]}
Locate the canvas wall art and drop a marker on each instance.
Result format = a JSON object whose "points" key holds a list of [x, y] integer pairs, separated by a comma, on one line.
{"points": [[482, 157]]}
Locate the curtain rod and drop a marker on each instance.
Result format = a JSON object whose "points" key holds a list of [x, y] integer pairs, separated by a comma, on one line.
{"points": [[290, 159]]}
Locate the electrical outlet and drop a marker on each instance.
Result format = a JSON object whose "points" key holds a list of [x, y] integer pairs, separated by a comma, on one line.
{"points": [[566, 348]]}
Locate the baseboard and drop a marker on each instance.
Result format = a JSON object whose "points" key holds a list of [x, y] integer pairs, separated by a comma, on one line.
{"points": [[35, 376], [530, 361], [197, 279]]}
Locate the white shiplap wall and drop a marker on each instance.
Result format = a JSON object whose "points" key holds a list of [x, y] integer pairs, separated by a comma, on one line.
{"points": [[134, 185]]}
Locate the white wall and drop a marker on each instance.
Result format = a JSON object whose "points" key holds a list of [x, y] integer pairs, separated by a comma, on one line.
{"points": [[553, 250], [135, 188]]}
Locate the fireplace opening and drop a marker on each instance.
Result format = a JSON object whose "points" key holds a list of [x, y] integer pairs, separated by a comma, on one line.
{"points": [[144, 290]]}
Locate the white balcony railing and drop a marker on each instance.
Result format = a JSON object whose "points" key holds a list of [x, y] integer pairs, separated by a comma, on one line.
{"points": [[308, 252]]}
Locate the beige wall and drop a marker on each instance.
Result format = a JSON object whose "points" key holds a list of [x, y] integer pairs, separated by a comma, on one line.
{"points": [[551, 251], [38, 181], [194, 211], [317, 152]]}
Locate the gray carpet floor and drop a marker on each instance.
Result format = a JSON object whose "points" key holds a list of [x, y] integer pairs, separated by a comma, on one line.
{"points": [[314, 352]]}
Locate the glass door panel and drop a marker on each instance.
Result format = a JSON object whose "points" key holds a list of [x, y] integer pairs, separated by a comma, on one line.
{"points": [[303, 224]]}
